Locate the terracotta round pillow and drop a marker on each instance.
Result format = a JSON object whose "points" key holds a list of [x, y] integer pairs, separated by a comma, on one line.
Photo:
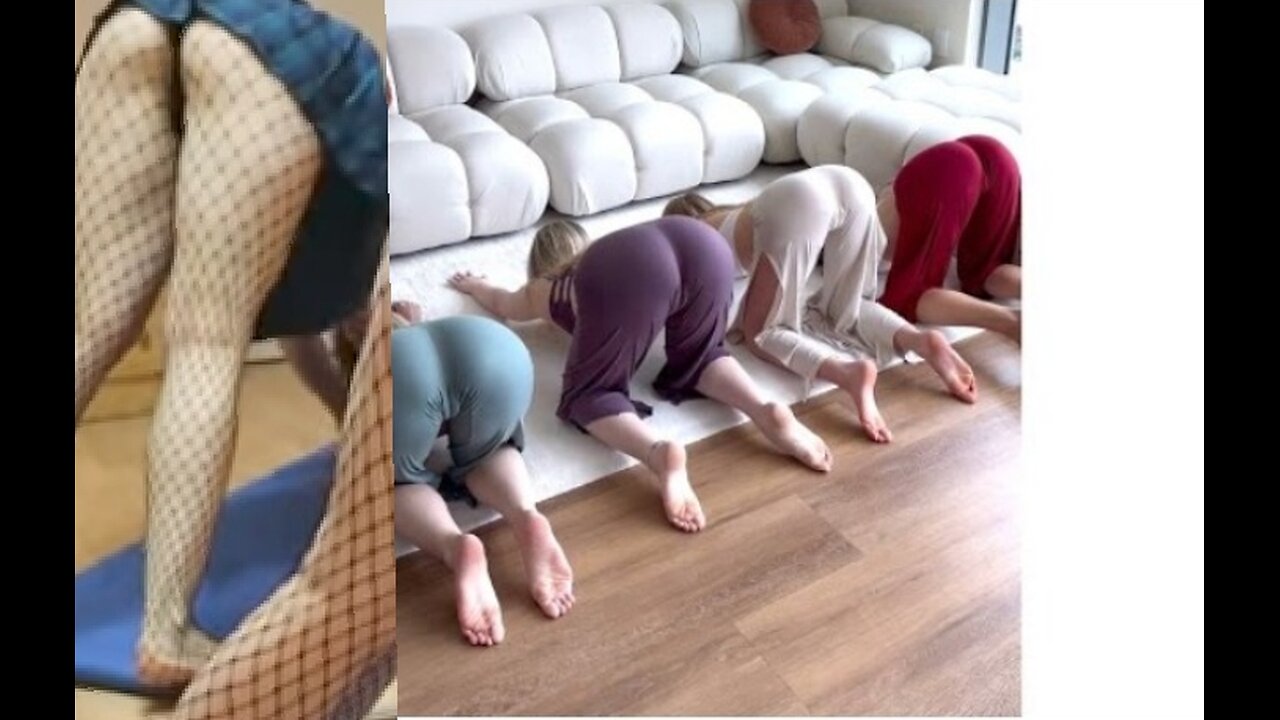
{"points": [[786, 26]]}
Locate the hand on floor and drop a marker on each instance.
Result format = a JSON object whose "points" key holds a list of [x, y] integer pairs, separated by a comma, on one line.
{"points": [[467, 282]]}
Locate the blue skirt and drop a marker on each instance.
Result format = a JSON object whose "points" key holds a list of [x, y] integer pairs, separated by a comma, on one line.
{"points": [[335, 76]]}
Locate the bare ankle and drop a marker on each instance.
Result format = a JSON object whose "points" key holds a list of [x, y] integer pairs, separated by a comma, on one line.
{"points": [[454, 547], [854, 374], [665, 457], [523, 518]]}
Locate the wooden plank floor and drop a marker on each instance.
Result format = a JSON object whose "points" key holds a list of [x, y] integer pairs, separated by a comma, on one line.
{"points": [[279, 421], [889, 587]]}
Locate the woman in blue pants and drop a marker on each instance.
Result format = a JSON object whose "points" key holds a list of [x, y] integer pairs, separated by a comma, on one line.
{"points": [[467, 379]]}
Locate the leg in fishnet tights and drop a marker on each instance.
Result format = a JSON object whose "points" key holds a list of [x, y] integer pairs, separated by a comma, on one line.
{"points": [[246, 169], [126, 151], [323, 646]]}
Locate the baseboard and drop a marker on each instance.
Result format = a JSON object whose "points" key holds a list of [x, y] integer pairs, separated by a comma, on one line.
{"points": [[264, 352]]}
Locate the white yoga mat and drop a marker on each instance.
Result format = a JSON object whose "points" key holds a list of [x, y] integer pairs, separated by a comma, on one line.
{"points": [[561, 458]]}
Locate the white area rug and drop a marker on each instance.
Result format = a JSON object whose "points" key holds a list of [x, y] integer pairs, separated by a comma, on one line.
{"points": [[560, 458]]}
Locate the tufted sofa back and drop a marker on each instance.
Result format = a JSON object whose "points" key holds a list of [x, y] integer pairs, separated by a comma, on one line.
{"points": [[431, 67], [565, 48], [717, 31]]}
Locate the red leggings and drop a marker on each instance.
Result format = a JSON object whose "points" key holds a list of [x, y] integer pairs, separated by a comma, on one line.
{"points": [[961, 198]]}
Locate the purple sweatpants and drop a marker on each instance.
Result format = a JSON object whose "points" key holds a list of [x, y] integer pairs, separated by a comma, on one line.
{"points": [[674, 273]]}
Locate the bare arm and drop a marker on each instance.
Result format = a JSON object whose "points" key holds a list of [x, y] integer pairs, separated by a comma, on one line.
{"points": [[888, 211], [511, 305], [778, 345], [778, 342], [315, 365]]}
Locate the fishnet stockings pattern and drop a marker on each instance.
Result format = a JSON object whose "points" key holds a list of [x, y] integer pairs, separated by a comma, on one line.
{"points": [[232, 195], [126, 153], [248, 162], [323, 646]]}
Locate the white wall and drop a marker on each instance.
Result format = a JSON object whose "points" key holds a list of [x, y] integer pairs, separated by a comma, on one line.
{"points": [[952, 26], [456, 13]]}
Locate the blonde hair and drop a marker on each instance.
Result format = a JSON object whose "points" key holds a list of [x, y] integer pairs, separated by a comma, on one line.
{"points": [[556, 247], [694, 205]]}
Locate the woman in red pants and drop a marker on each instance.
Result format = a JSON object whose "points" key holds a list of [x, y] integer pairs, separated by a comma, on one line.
{"points": [[960, 199]]}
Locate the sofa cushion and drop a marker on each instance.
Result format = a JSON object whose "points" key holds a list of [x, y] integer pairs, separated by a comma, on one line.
{"points": [[970, 93], [590, 164], [820, 132], [432, 67], [884, 47], [714, 31], [733, 134], [667, 144], [575, 46], [877, 128], [419, 169], [877, 138], [778, 101], [649, 40], [785, 26], [612, 143], [584, 46], [453, 174], [780, 104], [973, 77], [512, 57], [527, 117], [604, 100]]}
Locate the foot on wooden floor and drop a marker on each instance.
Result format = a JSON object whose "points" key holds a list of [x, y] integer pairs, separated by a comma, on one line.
{"points": [[667, 460], [479, 616], [790, 436], [947, 363], [550, 577]]}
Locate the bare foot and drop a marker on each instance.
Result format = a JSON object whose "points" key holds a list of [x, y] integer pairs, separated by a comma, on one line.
{"points": [[479, 616], [862, 388], [952, 368], [667, 461], [174, 668], [550, 577], [790, 436]]}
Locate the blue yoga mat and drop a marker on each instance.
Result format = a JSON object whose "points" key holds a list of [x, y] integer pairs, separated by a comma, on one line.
{"points": [[262, 533]]}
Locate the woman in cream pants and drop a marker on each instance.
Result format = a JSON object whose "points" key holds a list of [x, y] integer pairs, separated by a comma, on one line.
{"points": [[840, 334]]}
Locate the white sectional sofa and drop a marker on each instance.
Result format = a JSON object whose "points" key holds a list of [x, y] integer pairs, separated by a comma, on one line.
{"points": [[863, 99], [452, 173], [586, 108], [721, 49], [877, 129], [590, 89]]}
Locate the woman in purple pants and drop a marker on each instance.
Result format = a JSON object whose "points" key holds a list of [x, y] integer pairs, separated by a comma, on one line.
{"points": [[614, 296]]}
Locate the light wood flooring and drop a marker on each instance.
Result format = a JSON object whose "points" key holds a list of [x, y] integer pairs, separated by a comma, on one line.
{"points": [[889, 587], [279, 421]]}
